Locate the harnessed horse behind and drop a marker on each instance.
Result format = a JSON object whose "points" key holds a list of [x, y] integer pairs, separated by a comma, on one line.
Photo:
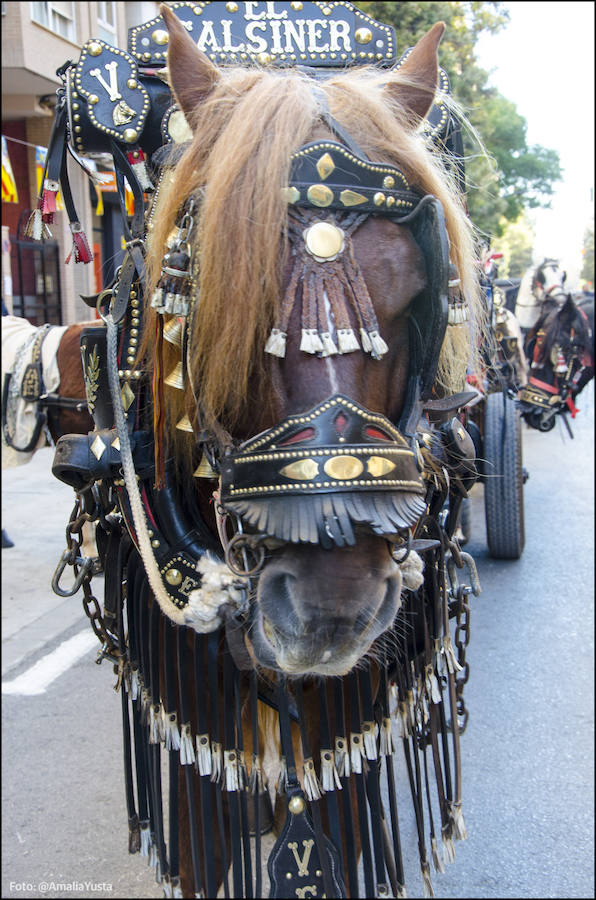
{"points": [[308, 219]]}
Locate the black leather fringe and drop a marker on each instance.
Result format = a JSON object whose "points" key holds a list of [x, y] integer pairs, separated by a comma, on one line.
{"points": [[183, 695]]}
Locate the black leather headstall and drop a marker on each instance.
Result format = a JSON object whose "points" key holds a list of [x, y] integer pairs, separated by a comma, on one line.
{"points": [[326, 175]]}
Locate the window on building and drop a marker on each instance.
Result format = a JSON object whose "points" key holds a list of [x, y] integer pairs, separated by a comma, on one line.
{"points": [[58, 17], [106, 22]]}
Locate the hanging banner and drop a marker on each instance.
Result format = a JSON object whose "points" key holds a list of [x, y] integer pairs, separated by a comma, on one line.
{"points": [[107, 182], [40, 162], [9, 185]]}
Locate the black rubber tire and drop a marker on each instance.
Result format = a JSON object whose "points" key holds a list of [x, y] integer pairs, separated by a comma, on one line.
{"points": [[503, 482]]}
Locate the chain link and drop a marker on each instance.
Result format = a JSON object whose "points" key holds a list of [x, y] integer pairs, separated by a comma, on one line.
{"points": [[83, 570]]}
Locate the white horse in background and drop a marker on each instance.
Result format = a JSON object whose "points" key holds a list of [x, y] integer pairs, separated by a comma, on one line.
{"points": [[539, 283]]}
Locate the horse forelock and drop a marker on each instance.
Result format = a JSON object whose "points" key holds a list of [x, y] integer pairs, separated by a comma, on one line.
{"points": [[245, 134]]}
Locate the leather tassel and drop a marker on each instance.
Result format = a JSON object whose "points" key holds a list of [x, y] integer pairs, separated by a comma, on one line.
{"points": [[172, 737], [365, 340], [329, 348], [312, 786], [156, 724], [427, 884], [256, 782], [276, 343], [448, 848], [369, 735], [346, 340], [386, 746], [311, 342], [450, 657], [80, 246], [134, 683], [216, 762], [432, 685], [329, 775], [48, 200], [137, 161], [403, 721], [231, 780], [145, 839], [187, 753], [460, 832], [437, 861], [378, 345], [33, 226], [356, 753], [342, 757], [203, 760], [176, 888], [167, 887]]}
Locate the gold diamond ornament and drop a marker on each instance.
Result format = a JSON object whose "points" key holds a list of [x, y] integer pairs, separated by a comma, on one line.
{"points": [[325, 166]]}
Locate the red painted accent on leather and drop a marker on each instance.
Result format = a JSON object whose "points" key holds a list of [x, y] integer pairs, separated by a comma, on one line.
{"points": [[376, 433], [542, 384], [341, 423], [305, 435]]}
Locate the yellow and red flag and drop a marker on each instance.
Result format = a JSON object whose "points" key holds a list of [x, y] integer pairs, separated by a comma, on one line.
{"points": [[9, 185]]}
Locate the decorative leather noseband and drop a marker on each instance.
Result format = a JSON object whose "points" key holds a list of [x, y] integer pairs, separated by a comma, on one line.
{"points": [[315, 476]]}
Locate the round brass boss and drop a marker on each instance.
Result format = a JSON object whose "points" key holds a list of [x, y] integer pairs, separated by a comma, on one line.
{"points": [[324, 240], [173, 576], [344, 467]]}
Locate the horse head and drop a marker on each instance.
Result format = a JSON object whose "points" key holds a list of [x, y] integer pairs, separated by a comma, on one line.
{"points": [[560, 348], [548, 282], [325, 227]]}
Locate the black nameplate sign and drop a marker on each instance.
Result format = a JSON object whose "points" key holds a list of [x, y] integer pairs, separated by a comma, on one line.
{"points": [[321, 34]]}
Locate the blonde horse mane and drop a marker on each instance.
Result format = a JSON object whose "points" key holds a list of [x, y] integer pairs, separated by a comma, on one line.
{"points": [[238, 162]]}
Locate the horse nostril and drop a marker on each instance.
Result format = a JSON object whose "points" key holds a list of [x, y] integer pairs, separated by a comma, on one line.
{"points": [[269, 631]]}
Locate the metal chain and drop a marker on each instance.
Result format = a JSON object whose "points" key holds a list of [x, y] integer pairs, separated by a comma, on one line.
{"points": [[462, 639], [460, 593], [83, 570]]}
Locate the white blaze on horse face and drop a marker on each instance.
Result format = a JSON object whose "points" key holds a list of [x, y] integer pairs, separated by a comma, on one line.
{"points": [[329, 361]]}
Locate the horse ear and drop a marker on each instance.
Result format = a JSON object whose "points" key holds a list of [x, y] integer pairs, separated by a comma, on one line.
{"points": [[192, 75], [421, 72]]}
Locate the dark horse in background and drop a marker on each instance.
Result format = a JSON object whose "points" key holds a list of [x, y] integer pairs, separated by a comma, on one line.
{"points": [[560, 351]]}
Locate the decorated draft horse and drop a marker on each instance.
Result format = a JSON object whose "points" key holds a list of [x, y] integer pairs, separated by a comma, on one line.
{"points": [[560, 347], [277, 465]]}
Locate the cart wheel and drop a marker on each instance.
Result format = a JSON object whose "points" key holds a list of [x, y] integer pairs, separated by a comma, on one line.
{"points": [[503, 482]]}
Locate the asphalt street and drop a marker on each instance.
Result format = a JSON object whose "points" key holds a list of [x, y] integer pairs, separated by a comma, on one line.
{"points": [[527, 753]]}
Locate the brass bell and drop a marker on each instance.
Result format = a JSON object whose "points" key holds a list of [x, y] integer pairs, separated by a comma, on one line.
{"points": [[204, 469], [176, 377], [173, 331], [184, 424]]}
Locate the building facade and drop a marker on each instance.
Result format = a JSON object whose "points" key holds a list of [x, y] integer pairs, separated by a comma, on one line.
{"points": [[38, 38]]}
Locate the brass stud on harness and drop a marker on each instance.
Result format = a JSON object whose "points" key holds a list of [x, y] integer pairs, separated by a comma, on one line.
{"points": [[296, 806]]}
